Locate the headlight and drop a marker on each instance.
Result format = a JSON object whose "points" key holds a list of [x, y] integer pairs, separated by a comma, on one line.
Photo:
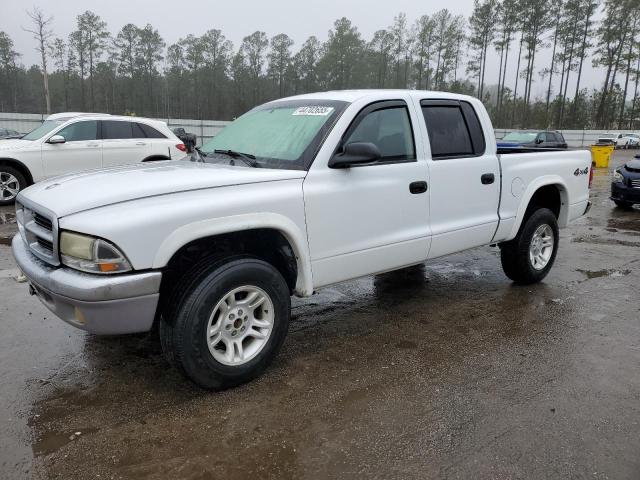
{"points": [[617, 176], [90, 254]]}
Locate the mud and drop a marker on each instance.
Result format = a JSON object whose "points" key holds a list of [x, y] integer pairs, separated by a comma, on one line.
{"points": [[7, 225], [439, 371]]}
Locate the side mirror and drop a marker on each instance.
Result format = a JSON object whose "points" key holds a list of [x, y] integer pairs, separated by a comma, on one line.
{"points": [[356, 153], [539, 140], [56, 139]]}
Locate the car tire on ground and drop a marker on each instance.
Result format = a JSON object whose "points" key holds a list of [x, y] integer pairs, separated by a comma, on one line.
{"points": [[621, 204], [226, 321], [530, 255], [12, 181]]}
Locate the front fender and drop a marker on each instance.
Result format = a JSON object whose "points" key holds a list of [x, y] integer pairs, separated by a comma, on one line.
{"points": [[217, 226]]}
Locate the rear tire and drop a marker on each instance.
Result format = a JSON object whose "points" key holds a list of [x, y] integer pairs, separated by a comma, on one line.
{"points": [[12, 182], [623, 205], [216, 336], [528, 258]]}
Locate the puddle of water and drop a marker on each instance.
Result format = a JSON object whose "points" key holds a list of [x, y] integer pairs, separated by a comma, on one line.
{"points": [[604, 241], [631, 222], [7, 218], [604, 273], [51, 442]]}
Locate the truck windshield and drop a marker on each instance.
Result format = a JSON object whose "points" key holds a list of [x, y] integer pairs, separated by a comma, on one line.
{"points": [[520, 137], [283, 134], [43, 129]]}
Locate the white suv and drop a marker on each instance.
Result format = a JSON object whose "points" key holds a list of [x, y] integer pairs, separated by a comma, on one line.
{"points": [[71, 142]]}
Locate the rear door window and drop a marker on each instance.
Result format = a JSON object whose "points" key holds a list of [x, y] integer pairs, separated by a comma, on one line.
{"points": [[149, 131], [114, 130], [454, 129], [136, 131]]}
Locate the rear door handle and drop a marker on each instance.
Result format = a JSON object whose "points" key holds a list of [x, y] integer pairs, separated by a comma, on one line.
{"points": [[418, 187], [140, 143], [487, 178]]}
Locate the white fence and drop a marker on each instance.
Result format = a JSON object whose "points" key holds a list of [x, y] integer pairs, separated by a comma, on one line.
{"points": [[206, 129]]}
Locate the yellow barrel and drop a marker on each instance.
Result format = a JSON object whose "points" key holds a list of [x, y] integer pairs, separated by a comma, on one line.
{"points": [[601, 155]]}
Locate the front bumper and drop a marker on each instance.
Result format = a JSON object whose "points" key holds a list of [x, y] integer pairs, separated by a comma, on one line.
{"points": [[105, 305], [623, 193]]}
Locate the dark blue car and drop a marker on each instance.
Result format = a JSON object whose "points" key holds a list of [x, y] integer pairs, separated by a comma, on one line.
{"points": [[625, 185]]}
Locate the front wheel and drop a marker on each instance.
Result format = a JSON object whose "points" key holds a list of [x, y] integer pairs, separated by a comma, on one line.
{"points": [[227, 322], [11, 182], [528, 258]]}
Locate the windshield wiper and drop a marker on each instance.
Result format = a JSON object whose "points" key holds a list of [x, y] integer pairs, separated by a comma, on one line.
{"points": [[247, 158]]}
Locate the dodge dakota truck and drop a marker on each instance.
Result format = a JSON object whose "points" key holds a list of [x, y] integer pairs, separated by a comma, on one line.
{"points": [[294, 195]]}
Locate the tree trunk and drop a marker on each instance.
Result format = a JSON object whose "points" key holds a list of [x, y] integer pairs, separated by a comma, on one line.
{"points": [[626, 79], [499, 78], [553, 58], [635, 95], [484, 64], [515, 88], [583, 50], [504, 76]]}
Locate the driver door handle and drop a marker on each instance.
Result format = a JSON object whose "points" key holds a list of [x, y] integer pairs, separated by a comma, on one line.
{"points": [[418, 187], [487, 178]]}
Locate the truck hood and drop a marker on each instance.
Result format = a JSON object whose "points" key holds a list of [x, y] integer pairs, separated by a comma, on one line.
{"points": [[77, 192]]}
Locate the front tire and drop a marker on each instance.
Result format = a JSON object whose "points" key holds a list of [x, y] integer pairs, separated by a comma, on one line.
{"points": [[12, 181], [528, 258], [227, 322]]}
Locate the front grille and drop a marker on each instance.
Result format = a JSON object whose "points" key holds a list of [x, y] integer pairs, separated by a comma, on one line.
{"points": [[635, 183], [39, 231], [46, 244], [43, 221]]}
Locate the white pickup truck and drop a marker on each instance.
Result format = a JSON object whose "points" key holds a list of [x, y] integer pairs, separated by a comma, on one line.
{"points": [[295, 195]]}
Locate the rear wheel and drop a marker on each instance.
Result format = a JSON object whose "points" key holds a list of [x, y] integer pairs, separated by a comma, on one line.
{"points": [[227, 322], [12, 181], [528, 258], [621, 204]]}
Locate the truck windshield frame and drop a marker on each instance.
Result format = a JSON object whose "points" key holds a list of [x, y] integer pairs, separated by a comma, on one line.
{"points": [[281, 134]]}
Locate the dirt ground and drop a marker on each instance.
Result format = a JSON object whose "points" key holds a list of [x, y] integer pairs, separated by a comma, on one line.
{"points": [[443, 371]]}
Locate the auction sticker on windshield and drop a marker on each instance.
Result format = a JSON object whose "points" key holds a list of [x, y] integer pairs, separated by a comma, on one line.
{"points": [[313, 110]]}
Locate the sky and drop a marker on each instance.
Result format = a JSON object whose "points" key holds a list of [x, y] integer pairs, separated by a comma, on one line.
{"points": [[238, 18]]}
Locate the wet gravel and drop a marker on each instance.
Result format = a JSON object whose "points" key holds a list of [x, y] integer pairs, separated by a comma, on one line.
{"points": [[440, 371]]}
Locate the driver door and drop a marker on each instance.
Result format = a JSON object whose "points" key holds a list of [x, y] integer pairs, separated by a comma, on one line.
{"points": [[82, 149], [373, 217]]}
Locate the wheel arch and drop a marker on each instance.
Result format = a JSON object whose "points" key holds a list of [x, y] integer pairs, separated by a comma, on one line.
{"points": [[254, 230], [19, 166], [155, 158], [547, 192]]}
